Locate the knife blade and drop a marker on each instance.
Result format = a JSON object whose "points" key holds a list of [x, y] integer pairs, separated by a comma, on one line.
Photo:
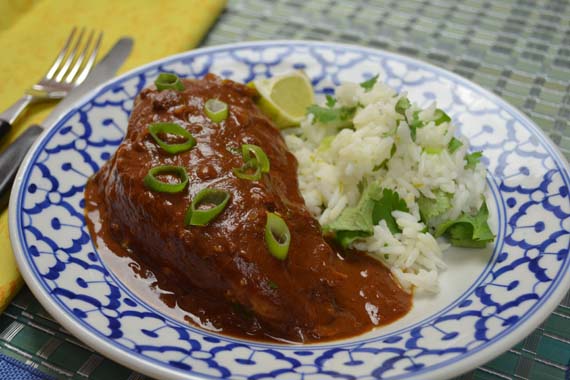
{"points": [[12, 156]]}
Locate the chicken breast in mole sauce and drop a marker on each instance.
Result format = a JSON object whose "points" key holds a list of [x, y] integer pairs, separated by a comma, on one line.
{"points": [[223, 272]]}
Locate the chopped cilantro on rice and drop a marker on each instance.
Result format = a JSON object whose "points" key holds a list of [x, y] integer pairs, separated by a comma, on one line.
{"points": [[387, 177]]}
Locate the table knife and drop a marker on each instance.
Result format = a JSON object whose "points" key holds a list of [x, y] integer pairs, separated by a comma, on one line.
{"points": [[12, 156]]}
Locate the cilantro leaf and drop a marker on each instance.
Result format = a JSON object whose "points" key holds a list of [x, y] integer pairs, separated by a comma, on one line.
{"points": [[375, 204], [339, 117], [468, 230], [415, 124], [330, 101], [368, 84], [453, 145], [440, 117], [473, 159], [431, 208], [383, 208], [353, 222], [359, 217], [460, 235]]}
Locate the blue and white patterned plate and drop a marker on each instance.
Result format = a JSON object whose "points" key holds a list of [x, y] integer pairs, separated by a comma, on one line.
{"points": [[490, 299]]}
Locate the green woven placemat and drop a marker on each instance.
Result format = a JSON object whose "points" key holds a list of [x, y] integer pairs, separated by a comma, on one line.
{"points": [[518, 49]]}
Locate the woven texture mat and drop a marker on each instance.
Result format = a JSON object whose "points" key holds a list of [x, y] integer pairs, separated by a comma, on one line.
{"points": [[518, 49]]}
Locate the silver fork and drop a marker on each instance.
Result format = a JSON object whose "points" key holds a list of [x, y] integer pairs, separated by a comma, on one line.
{"points": [[68, 70]]}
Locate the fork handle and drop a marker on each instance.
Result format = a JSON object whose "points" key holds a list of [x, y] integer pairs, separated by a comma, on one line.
{"points": [[11, 158]]}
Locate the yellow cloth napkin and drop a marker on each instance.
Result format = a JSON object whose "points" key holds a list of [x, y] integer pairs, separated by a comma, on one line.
{"points": [[33, 31]]}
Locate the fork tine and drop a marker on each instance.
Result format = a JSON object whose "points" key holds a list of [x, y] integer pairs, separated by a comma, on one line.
{"points": [[80, 59], [70, 57], [90, 61], [52, 70]]}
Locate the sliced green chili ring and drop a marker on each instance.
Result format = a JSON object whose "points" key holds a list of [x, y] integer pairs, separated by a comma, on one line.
{"points": [[201, 217], [216, 110], [258, 153], [251, 170], [168, 81], [277, 236], [154, 184], [440, 117], [174, 129]]}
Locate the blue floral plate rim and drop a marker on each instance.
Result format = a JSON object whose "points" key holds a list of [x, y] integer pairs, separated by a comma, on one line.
{"points": [[499, 344]]}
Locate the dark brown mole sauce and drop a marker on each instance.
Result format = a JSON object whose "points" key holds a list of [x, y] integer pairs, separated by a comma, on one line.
{"points": [[221, 276]]}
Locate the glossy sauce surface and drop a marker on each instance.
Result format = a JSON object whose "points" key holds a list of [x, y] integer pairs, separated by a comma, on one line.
{"points": [[221, 276]]}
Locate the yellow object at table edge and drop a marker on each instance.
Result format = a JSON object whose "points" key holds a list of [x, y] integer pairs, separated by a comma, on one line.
{"points": [[33, 31]]}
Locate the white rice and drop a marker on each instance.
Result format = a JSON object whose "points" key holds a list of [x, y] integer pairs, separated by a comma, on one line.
{"points": [[329, 176]]}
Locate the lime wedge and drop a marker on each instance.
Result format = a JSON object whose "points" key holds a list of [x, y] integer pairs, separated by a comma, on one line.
{"points": [[285, 98]]}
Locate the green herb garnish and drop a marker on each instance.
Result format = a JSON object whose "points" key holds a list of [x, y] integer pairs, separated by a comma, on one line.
{"points": [[250, 151], [255, 164], [206, 206], [250, 170], [168, 81], [330, 101], [383, 208], [473, 159], [415, 124], [440, 117], [155, 184], [471, 231], [369, 84], [340, 117], [402, 105], [356, 222], [172, 129], [431, 208], [277, 236], [453, 145], [216, 110]]}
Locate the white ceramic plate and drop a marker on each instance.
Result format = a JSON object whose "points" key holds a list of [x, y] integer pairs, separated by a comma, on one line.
{"points": [[490, 299]]}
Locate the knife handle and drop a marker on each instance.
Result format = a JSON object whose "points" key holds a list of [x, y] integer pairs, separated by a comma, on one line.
{"points": [[11, 158], [5, 127]]}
